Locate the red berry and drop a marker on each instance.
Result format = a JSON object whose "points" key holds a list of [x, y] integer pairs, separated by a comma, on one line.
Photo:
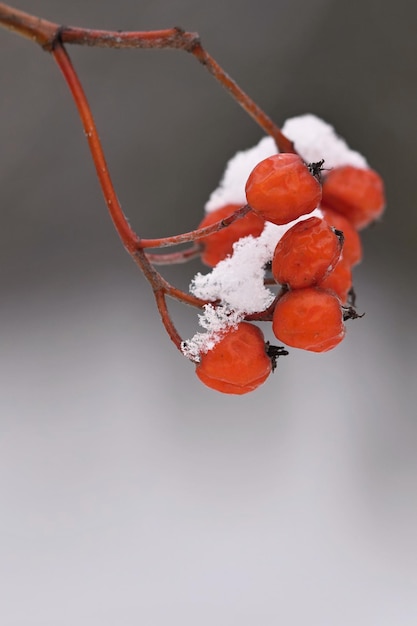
{"points": [[339, 281], [238, 363], [306, 253], [356, 193], [352, 246], [218, 245], [310, 319], [281, 188]]}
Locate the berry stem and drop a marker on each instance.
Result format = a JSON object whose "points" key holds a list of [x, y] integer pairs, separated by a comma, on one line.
{"points": [[194, 235], [158, 283], [174, 258], [264, 316], [166, 318]]}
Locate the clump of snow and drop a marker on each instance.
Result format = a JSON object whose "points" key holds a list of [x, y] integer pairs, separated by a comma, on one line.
{"points": [[238, 280], [236, 284], [231, 189], [315, 139], [216, 321]]}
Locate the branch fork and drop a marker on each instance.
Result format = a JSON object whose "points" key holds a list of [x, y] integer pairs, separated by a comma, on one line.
{"points": [[53, 38]]}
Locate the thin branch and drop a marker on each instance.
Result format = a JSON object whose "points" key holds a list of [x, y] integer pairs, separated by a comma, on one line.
{"points": [[174, 258], [127, 235], [197, 234], [33, 28], [47, 34], [159, 283], [166, 318]]}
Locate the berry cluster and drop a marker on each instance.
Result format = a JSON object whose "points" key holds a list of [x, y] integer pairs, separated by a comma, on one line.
{"points": [[312, 262]]}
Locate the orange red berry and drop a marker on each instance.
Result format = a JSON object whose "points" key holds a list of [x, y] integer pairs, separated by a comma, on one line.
{"points": [[281, 188], [220, 244], [310, 319], [307, 252], [238, 363], [352, 246], [339, 281], [356, 193]]}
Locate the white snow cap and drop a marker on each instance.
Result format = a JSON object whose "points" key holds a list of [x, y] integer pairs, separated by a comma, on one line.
{"points": [[237, 282], [314, 140], [231, 189]]}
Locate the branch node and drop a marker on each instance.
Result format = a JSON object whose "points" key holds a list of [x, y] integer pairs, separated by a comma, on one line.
{"points": [[55, 41], [189, 41]]}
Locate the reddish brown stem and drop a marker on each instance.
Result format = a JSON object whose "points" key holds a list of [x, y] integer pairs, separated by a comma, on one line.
{"points": [[264, 316], [174, 258], [159, 283], [47, 34], [34, 28], [166, 318], [194, 235], [127, 235], [178, 39]]}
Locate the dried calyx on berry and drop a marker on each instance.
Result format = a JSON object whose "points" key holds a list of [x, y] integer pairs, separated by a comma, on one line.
{"points": [[316, 169], [274, 352]]}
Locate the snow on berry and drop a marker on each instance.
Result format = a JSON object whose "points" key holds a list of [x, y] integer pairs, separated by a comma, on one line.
{"points": [[238, 364], [217, 321], [314, 140], [232, 186], [236, 284]]}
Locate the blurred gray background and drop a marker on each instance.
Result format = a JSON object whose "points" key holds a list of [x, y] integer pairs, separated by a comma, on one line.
{"points": [[131, 494]]}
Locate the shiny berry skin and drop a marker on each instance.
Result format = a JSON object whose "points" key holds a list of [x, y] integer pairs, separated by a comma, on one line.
{"points": [[352, 246], [281, 188], [310, 319], [339, 281], [356, 193], [238, 363], [218, 245], [306, 253]]}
